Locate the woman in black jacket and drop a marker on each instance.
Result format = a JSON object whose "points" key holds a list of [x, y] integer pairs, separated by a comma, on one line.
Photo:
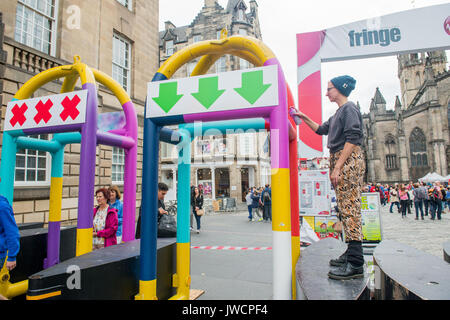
{"points": [[197, 204]]}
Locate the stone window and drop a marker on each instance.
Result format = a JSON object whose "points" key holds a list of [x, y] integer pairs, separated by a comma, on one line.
{"points": [[391, 161], [121, 62], [221, 64], [36, 24], [391, 152], [418, 148], [247, 144], [168, 151], [169, 48], [118, 165], [32, 166], [197, 38]]}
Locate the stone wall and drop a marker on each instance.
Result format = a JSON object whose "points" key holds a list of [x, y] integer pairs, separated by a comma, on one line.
{"points": [[92, 40]]}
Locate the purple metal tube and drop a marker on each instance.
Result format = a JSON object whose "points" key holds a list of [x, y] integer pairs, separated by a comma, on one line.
{"points": [[129, 187], [87, 161], [55, 129], [53, 238], [279, 123]]}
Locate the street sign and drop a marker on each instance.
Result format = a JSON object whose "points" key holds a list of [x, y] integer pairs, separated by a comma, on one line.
{"points": [[242, 89], [48, 111]]}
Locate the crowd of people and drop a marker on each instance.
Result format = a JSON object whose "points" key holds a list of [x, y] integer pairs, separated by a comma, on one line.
{"points": [[428, 199], [259, 203]]}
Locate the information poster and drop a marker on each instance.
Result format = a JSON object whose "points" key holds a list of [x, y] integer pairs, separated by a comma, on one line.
{"points": [[324, 227], [314, 188], [371, 220]]}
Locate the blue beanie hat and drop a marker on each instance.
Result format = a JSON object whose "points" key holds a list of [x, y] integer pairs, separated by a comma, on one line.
{"points": [[344, 84]]}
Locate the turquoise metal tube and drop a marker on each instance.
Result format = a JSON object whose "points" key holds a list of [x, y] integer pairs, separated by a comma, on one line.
{"points": [[184, 192], [8, 162], [37, 144], [61, 139]]}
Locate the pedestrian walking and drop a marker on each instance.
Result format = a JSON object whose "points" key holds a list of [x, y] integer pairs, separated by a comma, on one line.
{"points": [[426, 201], [418, 200], [197, 204], [249, 201], [394, 200], [403, 195], [436, 196], [267, 202], [447, 197]]}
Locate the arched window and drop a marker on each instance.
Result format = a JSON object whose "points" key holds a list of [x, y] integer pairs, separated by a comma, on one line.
{"points": [[418, 148], [391, 152]]}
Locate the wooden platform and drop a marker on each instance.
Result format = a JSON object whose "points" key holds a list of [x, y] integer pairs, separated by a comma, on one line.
{"points": [[405, 273], [447, 251], [312, 274], [194, 294]]}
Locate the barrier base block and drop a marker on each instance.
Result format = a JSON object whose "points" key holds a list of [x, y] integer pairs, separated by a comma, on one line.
{"points": [[106, 274]]}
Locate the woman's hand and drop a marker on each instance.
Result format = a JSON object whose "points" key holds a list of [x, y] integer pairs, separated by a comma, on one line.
{"points": [[335, 176], [299, 113]]}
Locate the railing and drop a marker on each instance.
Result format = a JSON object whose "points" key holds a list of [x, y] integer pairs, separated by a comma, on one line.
{"points": [[29, 59]]}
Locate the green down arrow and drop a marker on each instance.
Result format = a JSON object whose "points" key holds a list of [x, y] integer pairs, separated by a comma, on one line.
{"points": [[252, 86], [168, 96], [208, 91]]}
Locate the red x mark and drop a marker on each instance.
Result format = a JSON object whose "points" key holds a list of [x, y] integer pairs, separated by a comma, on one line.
{"points": [[18, 113], [43, 113], [70, 108]]}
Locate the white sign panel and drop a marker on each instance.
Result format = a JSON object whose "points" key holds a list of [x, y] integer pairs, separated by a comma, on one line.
{"points": [[242, 89], [407, 31], [49, 111], [314, 189]]}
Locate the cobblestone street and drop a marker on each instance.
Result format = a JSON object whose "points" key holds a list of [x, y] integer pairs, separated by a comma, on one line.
{"points": [[426, 235]]}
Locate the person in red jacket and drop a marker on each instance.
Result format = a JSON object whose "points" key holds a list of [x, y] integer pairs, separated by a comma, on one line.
{"points": [[106, 221]]}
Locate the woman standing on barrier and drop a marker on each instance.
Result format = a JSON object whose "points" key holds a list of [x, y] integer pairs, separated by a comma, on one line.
{"points": [[105, 221], [347, 167], [197, 207]]}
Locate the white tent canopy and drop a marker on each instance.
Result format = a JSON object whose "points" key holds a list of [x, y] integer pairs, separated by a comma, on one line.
{"points": [[433, 177]]}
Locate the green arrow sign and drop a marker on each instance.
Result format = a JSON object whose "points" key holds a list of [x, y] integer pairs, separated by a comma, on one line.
{"points": [[168, 96], [252, 86], [208, 91]]}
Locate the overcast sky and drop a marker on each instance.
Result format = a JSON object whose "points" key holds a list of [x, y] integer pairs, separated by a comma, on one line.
{"points": [[281, 20]]}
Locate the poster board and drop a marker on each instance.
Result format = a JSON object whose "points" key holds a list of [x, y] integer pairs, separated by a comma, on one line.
{"points": [[371, 217], [318, 199], [314, 189]]}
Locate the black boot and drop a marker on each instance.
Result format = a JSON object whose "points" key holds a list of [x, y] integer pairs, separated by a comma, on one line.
{"points": [[346, 272], [353, 267], [339, 262]]}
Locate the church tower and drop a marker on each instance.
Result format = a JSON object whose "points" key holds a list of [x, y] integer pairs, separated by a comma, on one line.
{"points": [[411, 69]]}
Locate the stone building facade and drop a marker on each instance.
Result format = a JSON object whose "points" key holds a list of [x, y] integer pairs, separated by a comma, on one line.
{"points": [[406, 143], [225, 166], [118, 37]]}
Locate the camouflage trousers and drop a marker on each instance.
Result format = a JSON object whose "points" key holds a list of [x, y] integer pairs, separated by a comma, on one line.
{"points": [[348, 192]]}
